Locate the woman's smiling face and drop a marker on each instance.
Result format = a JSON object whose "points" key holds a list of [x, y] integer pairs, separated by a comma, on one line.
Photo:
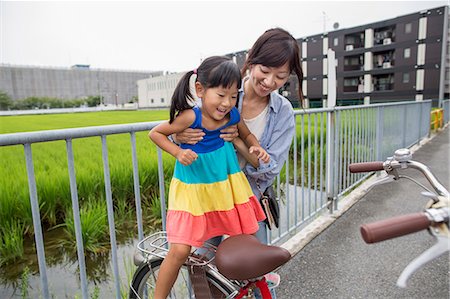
{"points": [[266, 79]]}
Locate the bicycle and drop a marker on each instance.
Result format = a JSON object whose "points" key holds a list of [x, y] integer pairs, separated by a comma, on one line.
{"points": [[435, 217], [232, 270]]}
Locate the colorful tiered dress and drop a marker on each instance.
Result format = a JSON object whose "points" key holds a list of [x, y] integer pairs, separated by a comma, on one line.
{"points": [[211, 197]]}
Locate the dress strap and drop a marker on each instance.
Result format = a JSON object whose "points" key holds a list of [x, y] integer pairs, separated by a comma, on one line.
{"points": [[197, 124]]}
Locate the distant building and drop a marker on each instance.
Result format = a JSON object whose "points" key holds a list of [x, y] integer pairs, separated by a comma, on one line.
{"points": [[79, 81], [400, 59], [156, 92]]}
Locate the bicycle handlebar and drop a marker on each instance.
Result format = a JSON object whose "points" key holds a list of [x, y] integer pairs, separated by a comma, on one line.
{"points": [[366, 167], [394, 227]]}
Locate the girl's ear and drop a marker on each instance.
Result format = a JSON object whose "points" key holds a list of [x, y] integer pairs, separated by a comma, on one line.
{"points": [[199, 89]]}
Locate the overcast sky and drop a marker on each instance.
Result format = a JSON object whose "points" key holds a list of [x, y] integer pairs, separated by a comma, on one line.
{"points": [[167, 35]]}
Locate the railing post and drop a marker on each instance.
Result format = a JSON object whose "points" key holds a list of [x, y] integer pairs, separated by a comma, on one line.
{"points": [[379, 134], [36, 221], [331, 103], [419, 127], [110, 208], [162, 197], [137, 190], [76, 218], [405, 129]]}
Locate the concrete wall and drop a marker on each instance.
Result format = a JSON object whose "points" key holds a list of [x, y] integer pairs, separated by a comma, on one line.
{"points": [[115, 86]]}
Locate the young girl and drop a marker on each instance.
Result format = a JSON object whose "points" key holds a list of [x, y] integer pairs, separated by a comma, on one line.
{"points": [[209, 195]]}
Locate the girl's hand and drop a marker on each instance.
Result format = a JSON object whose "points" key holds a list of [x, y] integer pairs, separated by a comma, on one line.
{"points": [[189, 136], [229, 133], [186, 156], [260, 153]]}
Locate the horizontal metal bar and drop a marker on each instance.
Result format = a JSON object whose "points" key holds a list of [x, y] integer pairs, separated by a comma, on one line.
{"points": [[53, 135], [320, 110], [381, 105]]}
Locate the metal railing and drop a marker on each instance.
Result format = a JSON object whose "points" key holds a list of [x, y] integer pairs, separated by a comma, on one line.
{"points": [[446, 107], [315, 175]]}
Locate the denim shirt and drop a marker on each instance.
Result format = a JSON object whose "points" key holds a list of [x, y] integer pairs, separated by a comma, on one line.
{"points": [[276, 140]]}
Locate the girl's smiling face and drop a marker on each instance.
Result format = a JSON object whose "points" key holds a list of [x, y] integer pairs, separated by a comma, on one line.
{"points": [[217, 102], [266, 79]]}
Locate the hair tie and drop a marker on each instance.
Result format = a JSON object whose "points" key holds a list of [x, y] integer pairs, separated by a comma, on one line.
{"points": [[195, 71]]}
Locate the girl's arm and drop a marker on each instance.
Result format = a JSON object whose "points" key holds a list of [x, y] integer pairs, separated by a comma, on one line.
{"points": [[242, 148], [159, 135], [252, 143]]}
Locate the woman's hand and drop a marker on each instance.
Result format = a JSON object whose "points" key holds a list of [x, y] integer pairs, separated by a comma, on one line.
{"points": [[260, 153], [188, 136], [229, 133]]}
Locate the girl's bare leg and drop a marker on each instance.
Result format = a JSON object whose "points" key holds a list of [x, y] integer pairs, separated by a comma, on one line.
{"points": [[168, 271]]}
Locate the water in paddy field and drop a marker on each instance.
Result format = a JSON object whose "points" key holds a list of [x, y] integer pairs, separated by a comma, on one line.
{"points": [[21, 279]]}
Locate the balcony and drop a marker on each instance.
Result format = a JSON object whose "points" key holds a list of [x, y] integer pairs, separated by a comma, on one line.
{"points": [[354, 41], [384, 36], [385, 59], [354, 63]]}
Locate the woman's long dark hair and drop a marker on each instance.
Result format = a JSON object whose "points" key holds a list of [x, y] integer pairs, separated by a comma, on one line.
{"points": [[274, 48], [214, 71]]}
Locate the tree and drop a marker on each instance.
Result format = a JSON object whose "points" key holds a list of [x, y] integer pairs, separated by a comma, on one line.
{"points": [[5, 101], [93, 101]]}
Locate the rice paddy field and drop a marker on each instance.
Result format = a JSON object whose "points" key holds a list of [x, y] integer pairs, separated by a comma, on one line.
{"points": [[50, 165]]}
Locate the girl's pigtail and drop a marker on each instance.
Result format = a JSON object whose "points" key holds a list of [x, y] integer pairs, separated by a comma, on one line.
{"points": [[181, 96]]}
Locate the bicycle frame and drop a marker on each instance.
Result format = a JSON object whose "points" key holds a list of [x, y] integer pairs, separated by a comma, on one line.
{"points": [[155, 246]]}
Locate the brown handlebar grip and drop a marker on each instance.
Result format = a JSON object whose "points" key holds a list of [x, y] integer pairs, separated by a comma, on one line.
{"points": [[365, 167], [394, 227]]}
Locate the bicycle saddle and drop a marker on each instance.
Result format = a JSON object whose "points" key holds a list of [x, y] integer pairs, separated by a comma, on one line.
{"points": [[243, 257]]}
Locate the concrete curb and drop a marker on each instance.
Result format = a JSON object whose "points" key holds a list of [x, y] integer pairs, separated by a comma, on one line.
{"points": [[312, 230]]}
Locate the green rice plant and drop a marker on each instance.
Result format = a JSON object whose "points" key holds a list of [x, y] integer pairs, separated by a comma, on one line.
{"points": [[94, 226], [95, 293], [24, 283], [129, 271], [11, 242], [124, 213]]}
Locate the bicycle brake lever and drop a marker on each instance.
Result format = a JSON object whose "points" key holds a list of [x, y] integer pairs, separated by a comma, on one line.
{"points": [[442, 246], [385, 180]]}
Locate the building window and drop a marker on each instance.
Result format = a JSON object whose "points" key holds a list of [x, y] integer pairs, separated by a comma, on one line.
{"points": [[408, 28], [406, 78], [354, 63], [351, 84], [152, 101], [383, 82], [162, 100], [407, 53], [335, 42]]}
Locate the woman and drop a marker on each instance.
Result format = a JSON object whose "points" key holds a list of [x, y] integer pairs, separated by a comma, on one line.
{"points": [[269, 116]]}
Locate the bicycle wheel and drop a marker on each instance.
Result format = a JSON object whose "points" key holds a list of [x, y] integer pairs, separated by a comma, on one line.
{"points": [[144, 282]]}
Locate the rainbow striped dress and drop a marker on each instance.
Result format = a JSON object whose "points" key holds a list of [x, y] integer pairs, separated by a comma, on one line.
{"points": [[211, 197]]}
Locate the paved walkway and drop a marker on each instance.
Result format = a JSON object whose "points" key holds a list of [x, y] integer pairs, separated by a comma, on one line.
{"points": [[338, 264]]}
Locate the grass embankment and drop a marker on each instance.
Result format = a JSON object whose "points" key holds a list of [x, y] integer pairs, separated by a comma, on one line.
{"points": [[52, 179]]}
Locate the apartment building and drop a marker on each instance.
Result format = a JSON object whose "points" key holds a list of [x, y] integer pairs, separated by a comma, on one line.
{"points": [[406, 58]]}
